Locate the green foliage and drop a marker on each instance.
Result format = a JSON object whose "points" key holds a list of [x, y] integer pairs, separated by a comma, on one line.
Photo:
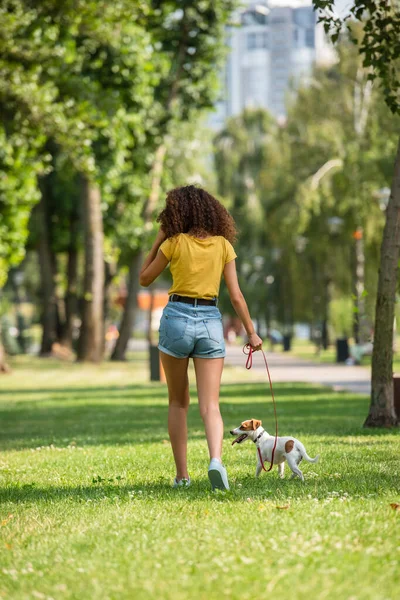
{"points": [[379, 43], [188, 39], [78, 76], [328, 163], [189, 155], [84, 87], [9, 341], [190, 35], [19, 165], [340, 316]]}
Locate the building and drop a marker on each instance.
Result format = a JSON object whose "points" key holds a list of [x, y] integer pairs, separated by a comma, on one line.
{"points": [[272, 47]]}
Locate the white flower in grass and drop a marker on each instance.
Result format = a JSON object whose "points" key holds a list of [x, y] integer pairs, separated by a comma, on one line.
{"points": [[247, 560]]}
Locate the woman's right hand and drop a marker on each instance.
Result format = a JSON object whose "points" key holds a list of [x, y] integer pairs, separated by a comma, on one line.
{"points": [[255, 341], [160, 237]]}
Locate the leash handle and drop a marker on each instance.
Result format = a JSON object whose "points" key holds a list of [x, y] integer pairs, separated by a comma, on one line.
{"points": [[248, 350]]}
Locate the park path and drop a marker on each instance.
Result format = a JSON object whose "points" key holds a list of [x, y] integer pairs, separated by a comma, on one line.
{"points": [[288, 368]]}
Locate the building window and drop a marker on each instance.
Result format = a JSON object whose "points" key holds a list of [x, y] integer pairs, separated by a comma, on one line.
{"points": [[251, 41], [310, 37], [256, 41]]}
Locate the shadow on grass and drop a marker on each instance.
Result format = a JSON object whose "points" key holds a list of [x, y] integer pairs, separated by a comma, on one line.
{"points": [[131, 414], [247, 488], [159, 390]]}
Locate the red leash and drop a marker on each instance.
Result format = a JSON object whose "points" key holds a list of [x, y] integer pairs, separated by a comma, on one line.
{"points": [[249, 364]]}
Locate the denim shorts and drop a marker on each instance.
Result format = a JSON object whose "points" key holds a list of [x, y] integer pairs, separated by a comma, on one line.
{"points": [[195, 331]]}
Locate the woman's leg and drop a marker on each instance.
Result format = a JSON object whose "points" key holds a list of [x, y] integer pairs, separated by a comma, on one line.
{"points": [[208, 377], [178, 393]]}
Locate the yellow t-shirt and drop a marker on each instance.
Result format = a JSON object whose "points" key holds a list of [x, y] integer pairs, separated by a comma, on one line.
{"points": [[197, 264]]}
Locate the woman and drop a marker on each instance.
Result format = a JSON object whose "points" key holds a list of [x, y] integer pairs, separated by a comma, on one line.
{"points": [[195, 238]]}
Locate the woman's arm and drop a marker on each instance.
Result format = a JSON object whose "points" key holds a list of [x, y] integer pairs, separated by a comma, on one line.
{"points": [[154, 263], [240, 305]]}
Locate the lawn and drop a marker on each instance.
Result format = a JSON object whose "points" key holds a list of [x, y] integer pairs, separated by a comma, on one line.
{"points": [[87, 510]]}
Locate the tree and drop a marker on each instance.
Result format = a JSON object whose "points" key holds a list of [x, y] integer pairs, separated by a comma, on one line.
{"points": [[379, 46], [243, 154], [190, 37], [307, 173], [78, 77], [344, 139], [21, 140]]}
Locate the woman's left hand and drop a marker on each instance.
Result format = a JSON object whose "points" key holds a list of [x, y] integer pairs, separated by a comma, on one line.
{"points": [[255, 341]]}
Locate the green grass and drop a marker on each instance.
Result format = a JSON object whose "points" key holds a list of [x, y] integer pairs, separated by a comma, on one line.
{"points": [[87, 510], [307, 350]]}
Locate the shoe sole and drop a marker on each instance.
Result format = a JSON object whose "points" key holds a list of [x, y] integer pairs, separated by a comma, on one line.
{"points": [[215, 477]]}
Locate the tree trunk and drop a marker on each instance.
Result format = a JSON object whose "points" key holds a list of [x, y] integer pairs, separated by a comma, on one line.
{"points": [[130, 308], [150, 205], [381, 411], [360, 326], [355, 327], [315, 328], [134, 268], [325, 320], [71, 296], [46, 266], [109, 274], [91, 336], [4, 368]]}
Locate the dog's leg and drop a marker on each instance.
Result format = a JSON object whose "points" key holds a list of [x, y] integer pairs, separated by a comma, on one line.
{"points": [[258, 468], [292, 464], [281, 470]]}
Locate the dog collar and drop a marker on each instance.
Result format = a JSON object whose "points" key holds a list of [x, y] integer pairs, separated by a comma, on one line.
{"points": [[258, 437]]}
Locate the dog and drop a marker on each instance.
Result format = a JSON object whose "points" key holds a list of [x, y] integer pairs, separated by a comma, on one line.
{"points": [[287, 448]]}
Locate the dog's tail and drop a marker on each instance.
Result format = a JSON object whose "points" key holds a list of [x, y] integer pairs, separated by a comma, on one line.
{"points": [[305, 455]]}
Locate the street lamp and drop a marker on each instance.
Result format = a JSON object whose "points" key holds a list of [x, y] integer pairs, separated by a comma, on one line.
{"points": [[335, 225]]}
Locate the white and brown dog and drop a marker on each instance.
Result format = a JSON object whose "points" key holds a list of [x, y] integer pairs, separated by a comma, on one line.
{"points": [[287, 448]]}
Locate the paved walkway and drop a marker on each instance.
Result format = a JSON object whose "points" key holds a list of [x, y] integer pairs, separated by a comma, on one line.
{"points": [[288, 368]]}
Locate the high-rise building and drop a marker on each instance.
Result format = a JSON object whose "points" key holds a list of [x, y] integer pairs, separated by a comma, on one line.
{"points": [[272, 47]]}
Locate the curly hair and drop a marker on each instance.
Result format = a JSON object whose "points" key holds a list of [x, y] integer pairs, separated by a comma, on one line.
{"points": [[192, 209]]}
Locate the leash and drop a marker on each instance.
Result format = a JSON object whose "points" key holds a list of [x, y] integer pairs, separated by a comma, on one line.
{"points": [[248, 351]]}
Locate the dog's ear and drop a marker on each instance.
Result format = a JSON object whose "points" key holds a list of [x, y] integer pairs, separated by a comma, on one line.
{"points": [[255, 423]]}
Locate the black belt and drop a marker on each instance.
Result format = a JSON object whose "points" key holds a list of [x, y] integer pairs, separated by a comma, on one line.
{"points": [[193, 301]]}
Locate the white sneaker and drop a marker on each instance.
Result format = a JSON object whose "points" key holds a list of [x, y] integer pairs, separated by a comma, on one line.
{"points": [[181, 483], [217, 475]]}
